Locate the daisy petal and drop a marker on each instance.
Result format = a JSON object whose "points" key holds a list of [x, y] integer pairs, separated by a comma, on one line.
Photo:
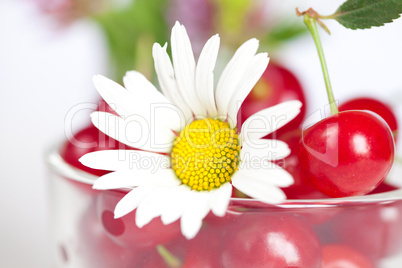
{"points": [[264, 149], [134, 131], [150, 207], [124, 160], [268, 120], [220, 199], [131, 200], [135, 83], [141, 100], [199, 206], [231, 75], [264, 192], [167, 81], [184, 68], [196, 209], [139, 177], [164, 176], [253, 73], [114, 94], [272, 174], [204, 76], [190, 227], [174, 205], [148, 101], [121, 179], [164, 71]]}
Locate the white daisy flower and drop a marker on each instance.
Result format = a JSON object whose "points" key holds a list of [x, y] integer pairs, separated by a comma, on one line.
{"points": [[191, 154]]}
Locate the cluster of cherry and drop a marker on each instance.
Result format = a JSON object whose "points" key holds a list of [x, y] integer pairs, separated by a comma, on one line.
{"points": [[261, 235]]}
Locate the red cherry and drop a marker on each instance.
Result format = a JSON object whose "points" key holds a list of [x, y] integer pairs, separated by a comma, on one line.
{"points": [[125, 232], [151, 259], [96, 249], [214, 222], [376, 106], [88, 140], [340, 256], [383, 188], [373, 229], [270, 240], [276, 85], [302, 188], [346, 154], [204, 250]]}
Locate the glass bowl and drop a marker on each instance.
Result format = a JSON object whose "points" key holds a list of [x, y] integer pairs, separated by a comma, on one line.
{"points": [[364, 230]]}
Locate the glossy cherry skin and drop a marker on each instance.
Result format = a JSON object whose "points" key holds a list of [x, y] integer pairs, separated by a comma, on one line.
{"points": [[347, 154], [273, 240], [376, 106], [123, 231], [276, 85], [302, 188], [341, 256]]}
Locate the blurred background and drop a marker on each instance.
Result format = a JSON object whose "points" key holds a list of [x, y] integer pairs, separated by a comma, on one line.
{"points": [[50, 49]]}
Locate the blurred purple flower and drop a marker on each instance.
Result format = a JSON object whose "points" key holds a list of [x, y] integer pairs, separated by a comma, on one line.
{"points": [[197, 15], [67, 10]]}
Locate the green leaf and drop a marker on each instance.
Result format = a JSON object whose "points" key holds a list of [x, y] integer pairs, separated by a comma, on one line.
{"points": [[282, 32], [130, 33], [362, 14]]}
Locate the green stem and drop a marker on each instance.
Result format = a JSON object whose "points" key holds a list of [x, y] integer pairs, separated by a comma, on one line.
{"points": [[171, 260], [328, 17], [312, 27]]}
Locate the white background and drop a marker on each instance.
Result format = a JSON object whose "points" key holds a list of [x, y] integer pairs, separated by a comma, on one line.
{"points": [[45, 70]]}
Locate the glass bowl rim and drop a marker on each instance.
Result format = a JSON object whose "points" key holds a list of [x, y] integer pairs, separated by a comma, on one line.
{"points": [[58, 165]]}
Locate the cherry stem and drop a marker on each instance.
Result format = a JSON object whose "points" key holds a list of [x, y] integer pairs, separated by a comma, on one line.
{"points": [[312, 27], [171, 260]]}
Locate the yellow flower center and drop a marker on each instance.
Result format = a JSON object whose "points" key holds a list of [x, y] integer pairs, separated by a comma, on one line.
{"points": [[206, 154]]}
